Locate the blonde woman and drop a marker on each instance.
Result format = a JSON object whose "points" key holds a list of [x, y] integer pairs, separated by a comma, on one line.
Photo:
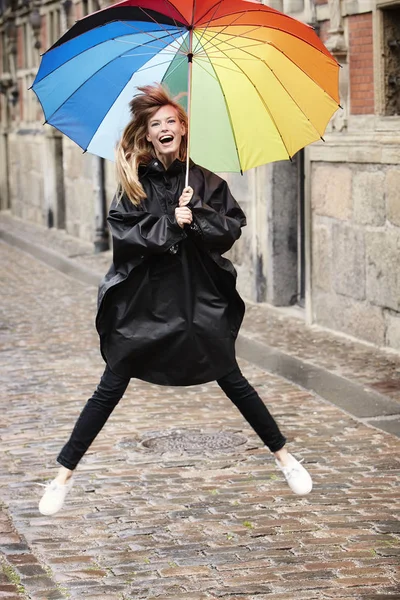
{"points": [[169, 312]]}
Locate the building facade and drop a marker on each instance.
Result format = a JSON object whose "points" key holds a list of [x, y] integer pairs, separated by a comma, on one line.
{"points": [[324, 229]]}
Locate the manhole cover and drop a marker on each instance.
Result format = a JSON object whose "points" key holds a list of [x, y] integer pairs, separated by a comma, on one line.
{"points": [[190, 441]]}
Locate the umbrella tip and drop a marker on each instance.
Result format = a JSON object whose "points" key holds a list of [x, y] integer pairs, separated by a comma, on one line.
{"points": [[322, 139], [45, 122], [340, 106], [241, 172]]}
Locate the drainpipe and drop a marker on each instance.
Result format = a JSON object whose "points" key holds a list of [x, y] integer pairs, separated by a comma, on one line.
{"points": [[308, 237], [101, 236]]}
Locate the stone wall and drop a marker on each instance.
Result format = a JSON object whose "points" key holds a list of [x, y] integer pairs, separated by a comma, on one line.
{"points": [[355, 250], [79, 192], [27, 173]]}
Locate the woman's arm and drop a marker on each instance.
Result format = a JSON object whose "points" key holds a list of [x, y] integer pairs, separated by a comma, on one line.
{"points": [[139, 233], [218, 216]]}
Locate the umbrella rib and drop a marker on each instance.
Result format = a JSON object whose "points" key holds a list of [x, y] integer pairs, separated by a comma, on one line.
{"points": [[82, 84], [223, 29], [239, 48], [221, 58], [157, 23], [174, 69], [205, 70], [160, 48], [147, 54], [137, 29], [210, 9], [174, 8], [235, 37], [166, 62], [208, 24]]}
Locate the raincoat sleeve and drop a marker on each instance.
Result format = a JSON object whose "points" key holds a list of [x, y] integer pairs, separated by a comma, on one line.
{"points": [[217, 216], [137, 233]]}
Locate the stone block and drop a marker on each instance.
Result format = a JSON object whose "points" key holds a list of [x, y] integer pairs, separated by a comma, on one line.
{"points": [[392, 194], [293, 6], [393, 330], [348, 266], [322, 256], [368, 198], [340, 313], [383, 272], [331, 191], [276, 4]]}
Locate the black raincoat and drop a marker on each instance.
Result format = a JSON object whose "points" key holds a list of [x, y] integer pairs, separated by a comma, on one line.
{"points": [[168, 311]]}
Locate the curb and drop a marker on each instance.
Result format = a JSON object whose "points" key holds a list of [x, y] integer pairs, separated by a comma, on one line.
{"points": [[366, 405]]}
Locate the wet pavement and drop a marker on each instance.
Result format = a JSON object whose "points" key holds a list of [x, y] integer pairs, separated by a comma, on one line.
{"points": [[177, 498]]}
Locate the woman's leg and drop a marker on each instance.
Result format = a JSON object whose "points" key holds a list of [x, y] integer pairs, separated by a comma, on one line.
{"points": [[93, 418], [90, 422], [249, 403], [245, 397]]}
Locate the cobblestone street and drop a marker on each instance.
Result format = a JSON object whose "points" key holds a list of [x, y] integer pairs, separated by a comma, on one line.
{"points": [[150, 517]]}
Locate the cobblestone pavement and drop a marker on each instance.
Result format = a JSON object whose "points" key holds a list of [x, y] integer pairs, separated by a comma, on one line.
{"points": [[150, 519]]}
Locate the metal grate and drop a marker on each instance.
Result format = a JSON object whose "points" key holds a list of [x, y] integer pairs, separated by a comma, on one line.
{"points": [[194, 441]]}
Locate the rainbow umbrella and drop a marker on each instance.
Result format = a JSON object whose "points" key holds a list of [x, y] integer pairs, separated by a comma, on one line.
{"points": [[258, 85]]}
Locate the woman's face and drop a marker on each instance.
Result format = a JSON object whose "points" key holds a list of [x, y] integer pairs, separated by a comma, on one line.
{"points": [[165, 131]]}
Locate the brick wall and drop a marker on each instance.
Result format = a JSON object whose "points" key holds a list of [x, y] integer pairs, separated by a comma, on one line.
{"points": [[361, 64]]}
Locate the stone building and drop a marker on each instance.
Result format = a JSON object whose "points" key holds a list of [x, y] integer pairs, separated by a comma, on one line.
{"points": [[324, 230]]}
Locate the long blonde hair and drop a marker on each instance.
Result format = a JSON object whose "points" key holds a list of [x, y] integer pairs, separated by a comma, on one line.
{"points": [[134, 149]]}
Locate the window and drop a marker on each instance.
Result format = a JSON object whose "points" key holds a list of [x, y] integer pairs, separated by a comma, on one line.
{"points": [[54, 26], [391, 60]]}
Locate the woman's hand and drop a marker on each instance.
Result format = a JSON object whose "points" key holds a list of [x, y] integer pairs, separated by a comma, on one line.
{"points": [[183, 216], [186, 196]]}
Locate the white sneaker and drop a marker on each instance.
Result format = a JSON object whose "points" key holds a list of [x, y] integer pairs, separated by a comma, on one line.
{"points": [[297, 477], [54, 496]]}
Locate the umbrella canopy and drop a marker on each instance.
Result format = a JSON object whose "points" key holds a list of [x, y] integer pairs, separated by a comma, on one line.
{"points": [[260, 85]]}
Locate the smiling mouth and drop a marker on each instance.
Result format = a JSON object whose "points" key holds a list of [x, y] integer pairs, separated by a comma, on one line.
{"points": [[166, 139]]}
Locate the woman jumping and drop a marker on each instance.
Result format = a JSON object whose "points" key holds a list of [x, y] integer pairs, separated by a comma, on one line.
{"points": [[169, 312]]}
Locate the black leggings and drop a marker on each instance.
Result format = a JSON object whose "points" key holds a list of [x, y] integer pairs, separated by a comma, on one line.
{"points": [[112, 387]]}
